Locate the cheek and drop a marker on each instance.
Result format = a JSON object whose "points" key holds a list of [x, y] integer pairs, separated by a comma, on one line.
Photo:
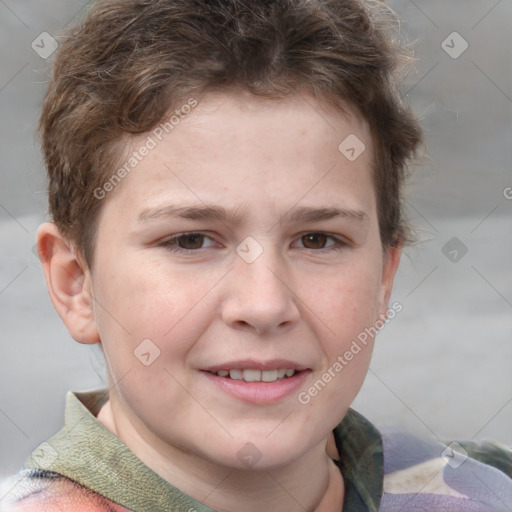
{"points": [[169, 309], [349, 302], [143, 299], [348, 311]]}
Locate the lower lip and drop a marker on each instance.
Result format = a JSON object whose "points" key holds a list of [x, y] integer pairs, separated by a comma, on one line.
{"points": [[259, 392]]}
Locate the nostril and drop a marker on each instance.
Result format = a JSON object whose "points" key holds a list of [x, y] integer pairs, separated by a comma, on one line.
{"points": [[247, 326]]}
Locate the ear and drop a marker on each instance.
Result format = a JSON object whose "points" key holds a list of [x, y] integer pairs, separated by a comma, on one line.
{"points": [[69, 283], [391, 260]]}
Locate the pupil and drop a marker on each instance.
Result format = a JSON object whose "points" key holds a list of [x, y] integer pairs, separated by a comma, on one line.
{"points": [[194, 240], [316, 238]]}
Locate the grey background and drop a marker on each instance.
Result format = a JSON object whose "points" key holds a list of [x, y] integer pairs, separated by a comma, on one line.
{"points": [[442, 367]]}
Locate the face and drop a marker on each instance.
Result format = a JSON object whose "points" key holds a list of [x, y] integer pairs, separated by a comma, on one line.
{"points": [[235, 266]]}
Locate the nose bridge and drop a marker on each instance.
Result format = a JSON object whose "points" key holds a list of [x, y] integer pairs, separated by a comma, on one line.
{"points": [[261, 268], [259, 294]]}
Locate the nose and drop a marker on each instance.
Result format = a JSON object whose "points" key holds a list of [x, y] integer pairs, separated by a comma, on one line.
{"points": [[260, 296]]}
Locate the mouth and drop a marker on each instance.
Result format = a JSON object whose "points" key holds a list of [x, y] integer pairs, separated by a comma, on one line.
{"points": [[255, 375], [256, 382]]}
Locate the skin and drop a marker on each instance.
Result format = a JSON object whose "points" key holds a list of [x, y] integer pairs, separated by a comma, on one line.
{"points": [[304, 298]]}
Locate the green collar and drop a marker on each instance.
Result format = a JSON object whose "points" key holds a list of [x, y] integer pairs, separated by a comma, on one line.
{"points": [[87, 452]]}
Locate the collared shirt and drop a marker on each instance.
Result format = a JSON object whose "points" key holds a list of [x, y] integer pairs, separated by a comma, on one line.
{"points": [[86, 467]]}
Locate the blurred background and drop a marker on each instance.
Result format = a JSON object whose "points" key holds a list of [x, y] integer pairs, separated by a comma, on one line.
{"points": [[442, 367]]}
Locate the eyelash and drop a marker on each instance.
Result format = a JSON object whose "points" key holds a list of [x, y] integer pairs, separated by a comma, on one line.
{"points": [[171, 243]]}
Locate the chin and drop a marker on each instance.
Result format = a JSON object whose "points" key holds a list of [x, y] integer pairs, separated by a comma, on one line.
{"points": [[263, 452]]}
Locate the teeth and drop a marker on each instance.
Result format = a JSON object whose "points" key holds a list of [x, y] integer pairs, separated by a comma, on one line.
{"points": [[250, 375], [269, 375], [236, 374], [281, 374]]}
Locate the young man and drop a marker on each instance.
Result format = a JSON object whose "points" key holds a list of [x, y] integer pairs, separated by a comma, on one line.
{"points": [[225, 189]]}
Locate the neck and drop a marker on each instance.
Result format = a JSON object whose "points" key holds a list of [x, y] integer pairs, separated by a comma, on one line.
{"points": [[312, 483]]}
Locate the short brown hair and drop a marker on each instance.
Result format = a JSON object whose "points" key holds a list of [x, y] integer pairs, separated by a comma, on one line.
{"points": [[130, 61]]}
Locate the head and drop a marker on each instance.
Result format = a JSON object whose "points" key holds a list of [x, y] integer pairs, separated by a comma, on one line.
{"points": [[274, 135]]}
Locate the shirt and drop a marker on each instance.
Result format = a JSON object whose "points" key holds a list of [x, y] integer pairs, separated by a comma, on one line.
{"points": [[85, 467]]}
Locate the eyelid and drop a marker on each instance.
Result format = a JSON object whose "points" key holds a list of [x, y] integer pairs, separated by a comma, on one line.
{"points": [[340, 242], [167, 242]]}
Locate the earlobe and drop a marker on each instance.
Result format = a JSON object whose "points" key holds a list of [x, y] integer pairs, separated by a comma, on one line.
{"points": [[391, 260], [69, 283]]}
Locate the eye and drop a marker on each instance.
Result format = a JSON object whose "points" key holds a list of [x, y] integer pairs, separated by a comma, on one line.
{"points": [[186, 242], [318, 241]]}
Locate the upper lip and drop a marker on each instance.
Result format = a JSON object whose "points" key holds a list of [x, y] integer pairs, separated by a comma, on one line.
{"points": [[246, 364]]}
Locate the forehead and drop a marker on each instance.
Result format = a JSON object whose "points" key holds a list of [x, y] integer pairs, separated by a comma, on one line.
{"points": [[237, 143], [298, 119]]}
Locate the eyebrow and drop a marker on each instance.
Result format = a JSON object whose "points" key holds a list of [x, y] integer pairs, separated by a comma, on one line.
{"points": [[303, 214]]}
